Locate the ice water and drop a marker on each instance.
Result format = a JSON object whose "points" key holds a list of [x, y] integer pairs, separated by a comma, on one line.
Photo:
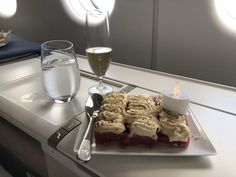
{"points": [[61, 77]]}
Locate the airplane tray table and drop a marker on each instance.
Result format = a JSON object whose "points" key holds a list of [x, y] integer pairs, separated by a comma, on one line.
{"points": [[62, 125], [200, 145], [25, 104]]}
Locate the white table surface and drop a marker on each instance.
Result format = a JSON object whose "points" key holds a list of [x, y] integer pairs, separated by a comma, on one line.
{"points": [[217, 117], [201, 92], [208, 94]]}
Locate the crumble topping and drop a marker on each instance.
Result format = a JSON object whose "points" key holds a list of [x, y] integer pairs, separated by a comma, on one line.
{"points": [[140, 115], [174, 126]]}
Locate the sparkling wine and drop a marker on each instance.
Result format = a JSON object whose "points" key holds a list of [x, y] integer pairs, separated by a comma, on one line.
{"points": [[99, 59]]}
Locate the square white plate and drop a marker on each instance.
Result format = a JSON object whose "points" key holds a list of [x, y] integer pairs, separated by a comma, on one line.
{"points": [[199, 145]]}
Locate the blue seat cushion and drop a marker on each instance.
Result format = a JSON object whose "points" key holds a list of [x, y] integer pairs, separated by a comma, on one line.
{"points": [[18, 47]]}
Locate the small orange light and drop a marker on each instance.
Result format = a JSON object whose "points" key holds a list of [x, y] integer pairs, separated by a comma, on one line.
{"points": [[176, 90]]}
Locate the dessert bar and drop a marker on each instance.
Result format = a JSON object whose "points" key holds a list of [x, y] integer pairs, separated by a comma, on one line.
{"points": [[139, 120]]}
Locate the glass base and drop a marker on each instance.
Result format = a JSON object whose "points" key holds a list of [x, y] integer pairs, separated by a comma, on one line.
{"points": [[62, 99], [102, 91]]}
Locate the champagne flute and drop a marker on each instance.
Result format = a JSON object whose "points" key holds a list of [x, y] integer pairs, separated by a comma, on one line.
{"points": [[98, 50]]}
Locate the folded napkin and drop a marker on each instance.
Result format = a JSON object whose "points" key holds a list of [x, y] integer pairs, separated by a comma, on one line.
{"points": [[18, 48]]}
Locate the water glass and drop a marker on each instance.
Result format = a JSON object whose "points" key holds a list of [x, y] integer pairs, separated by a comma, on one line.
{"points": [[60, 72]]}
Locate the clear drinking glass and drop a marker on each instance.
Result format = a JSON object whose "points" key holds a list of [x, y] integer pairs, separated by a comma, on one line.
{"points": [[60, 72], [98, 50]]}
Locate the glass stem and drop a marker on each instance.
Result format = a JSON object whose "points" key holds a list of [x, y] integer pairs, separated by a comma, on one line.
{"points": [[100, 83]]}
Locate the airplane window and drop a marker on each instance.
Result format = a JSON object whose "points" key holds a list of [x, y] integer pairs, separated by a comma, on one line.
{"points": [[226, 12], [76, 9], [8, 8]]}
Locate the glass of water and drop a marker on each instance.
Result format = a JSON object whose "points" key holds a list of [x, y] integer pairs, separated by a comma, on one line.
{"points": [[60, 72]]}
